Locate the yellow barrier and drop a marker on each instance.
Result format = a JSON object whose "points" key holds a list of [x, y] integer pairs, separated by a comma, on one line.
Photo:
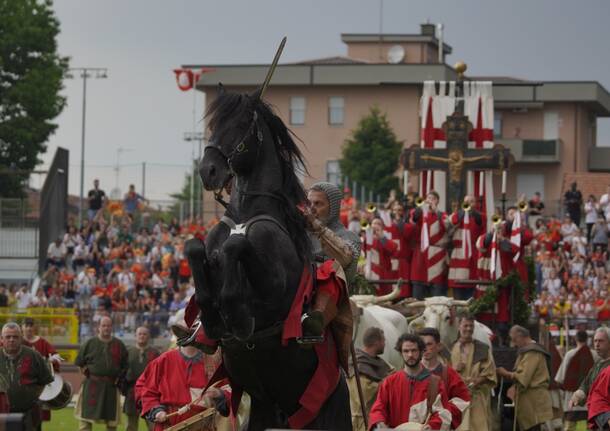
{"points": [[57, 325]]}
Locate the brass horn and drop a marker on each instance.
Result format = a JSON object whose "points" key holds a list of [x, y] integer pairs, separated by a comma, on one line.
{"points": [[522, 205], [364, 224], [371, 208], [496, 219], [419, 201], [466, 206]]}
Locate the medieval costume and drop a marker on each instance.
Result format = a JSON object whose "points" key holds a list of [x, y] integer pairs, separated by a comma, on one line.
{"points": [[457, 393], [532, 398], [402, 234], [468, 226], [380, 252], [403, 398], [137, 359], [172, 381], [585, 386], [103, 362], [476, 366], [429, 264], [26, 374], [46, 350], [573, 369], [373, 369], [598, 402]]}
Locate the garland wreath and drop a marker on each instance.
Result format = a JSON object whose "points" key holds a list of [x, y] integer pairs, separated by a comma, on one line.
{"points": [[522, 311]]}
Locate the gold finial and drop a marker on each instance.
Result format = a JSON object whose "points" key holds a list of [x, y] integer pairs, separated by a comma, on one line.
{"points": [[460, 67]]}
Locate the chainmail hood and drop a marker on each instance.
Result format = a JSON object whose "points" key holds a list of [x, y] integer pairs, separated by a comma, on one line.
{"points": [[334, 196]]}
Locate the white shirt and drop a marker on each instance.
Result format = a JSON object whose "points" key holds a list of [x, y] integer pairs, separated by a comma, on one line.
{"points": [[591, 212], [126, 279], [23, 299], [56, 252], [604, 204]]}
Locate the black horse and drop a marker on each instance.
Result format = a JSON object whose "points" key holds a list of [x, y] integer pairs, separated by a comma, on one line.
{"points": [[249, 270]]}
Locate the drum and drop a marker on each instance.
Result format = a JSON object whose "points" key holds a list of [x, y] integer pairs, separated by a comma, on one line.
{"points": [[57, 394]]}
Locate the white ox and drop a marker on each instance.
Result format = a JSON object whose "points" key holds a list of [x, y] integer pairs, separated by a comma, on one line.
{"points": [[367, 313], [441, 313]]}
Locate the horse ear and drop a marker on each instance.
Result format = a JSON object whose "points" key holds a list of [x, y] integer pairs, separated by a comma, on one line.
{"points": [[221, 89], [256, 95]]}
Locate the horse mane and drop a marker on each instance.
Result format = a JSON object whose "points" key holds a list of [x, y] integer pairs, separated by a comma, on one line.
{"points": [[234, 110]]}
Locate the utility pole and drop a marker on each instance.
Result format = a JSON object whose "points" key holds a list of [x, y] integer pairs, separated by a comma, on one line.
{"points": [[199, 138], [144, 179], [85, 72]]}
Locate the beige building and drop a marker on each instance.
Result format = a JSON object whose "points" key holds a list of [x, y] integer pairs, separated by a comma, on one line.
{"points": [[549, 126]]}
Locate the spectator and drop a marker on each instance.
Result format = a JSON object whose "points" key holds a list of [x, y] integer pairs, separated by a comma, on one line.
{"points": [[552, 284], [600, 234], [604, 205], [591, 212], [23, 297], [96, 198], [132, 200], [536, 209], [3, 295], [56, 253], [568, 229], [573, 203], [602, 306]]}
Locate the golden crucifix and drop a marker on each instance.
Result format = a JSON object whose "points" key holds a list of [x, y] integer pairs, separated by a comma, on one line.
{"points": [[456, 162]]}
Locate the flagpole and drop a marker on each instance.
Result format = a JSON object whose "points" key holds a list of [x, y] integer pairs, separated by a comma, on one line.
{"points": [[192, 202]]}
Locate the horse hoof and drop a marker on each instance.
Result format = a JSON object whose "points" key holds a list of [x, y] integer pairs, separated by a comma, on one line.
{"points": [[245, 331]]}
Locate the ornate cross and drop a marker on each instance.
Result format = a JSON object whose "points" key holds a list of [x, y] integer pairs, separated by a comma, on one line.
{"points": [[457, 158]]}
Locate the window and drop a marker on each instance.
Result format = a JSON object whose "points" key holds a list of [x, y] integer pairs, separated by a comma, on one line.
{"points": [[551, 125], [333, 172], [335, 111], [497, 124], [297, 111], [528, 184]]}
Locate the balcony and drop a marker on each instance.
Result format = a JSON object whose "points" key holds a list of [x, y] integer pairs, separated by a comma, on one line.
{"points": [[599, 159], [533, 150]]}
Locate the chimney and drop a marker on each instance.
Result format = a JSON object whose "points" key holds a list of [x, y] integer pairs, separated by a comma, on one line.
{"points": [[428, 29], [441, 54]]}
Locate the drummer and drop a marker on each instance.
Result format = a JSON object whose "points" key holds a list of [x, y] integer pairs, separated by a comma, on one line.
{"points": [[42, 346], [26, 373]]}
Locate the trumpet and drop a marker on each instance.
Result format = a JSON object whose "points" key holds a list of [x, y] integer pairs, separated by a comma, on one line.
{"points": [[522, 205], [419, 201], [466, 206], [496, 219], [364, 224], [371, 208]]}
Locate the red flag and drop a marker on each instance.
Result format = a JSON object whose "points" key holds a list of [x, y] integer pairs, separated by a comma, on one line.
{"points": [[187, 78]]}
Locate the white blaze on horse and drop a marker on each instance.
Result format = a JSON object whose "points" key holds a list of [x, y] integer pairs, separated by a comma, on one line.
{"points": [[442, 313]]}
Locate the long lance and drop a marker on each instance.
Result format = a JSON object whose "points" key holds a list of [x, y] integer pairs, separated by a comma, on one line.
{"points": [[278, 53], [358, 384]]}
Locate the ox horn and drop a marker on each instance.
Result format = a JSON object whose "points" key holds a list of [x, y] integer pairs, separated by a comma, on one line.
{"points": [[395, 293], [416, 304], [462, 303]]}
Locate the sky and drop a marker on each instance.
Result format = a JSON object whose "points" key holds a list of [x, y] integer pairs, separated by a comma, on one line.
{"points": [[139, 114]]}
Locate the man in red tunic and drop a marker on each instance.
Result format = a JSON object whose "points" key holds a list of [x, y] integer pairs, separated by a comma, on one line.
{"points": [[402, 233], [429, 264], [468, 225], [42, 346], [457, 392], [172, 382], [598, 403], [379, 251], [412, 394]]}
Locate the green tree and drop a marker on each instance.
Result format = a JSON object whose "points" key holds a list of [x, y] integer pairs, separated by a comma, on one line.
{"points": [[371, 154], [31, 77], [184, 196]]}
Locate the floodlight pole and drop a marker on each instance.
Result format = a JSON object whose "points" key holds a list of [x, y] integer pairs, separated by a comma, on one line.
{"points": [[85, 73]]}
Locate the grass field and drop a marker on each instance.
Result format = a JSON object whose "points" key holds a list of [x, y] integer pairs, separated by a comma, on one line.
{"points": [[64, 420]]}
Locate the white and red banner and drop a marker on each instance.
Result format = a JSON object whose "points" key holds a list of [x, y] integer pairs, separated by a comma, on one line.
{"points": [[187, 78], [435, 107]]}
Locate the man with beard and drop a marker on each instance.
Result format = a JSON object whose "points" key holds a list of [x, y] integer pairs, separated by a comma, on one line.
{"points": [[475, 363], [103, 360], [457, 392], [24, 373], [331, 240], [601, 344], [530, 393], [139, 357], [413, 395], [373, 369]]}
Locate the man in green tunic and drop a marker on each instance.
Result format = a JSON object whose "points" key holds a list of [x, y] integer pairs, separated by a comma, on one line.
{"points": [[601, 344], [531, 376], [139, 357], [26, 373], [103, 360]]}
